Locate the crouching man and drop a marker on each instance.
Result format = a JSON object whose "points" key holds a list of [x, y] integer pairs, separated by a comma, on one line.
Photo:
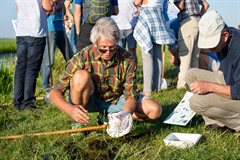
{"points": [[102, 77], [217, 94]]}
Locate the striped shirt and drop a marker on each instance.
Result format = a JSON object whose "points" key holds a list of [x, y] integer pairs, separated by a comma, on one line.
{"points": [[191, 8], [110, 80], [151, 28]]}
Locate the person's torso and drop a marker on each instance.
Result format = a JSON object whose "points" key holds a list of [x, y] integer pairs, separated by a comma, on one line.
{"points": [[191, 8], [108, 78], [31, 18], [126, 18], [230, 58]]}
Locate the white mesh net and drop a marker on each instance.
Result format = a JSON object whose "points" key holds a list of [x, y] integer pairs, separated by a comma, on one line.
{"points": [[119, 124]]}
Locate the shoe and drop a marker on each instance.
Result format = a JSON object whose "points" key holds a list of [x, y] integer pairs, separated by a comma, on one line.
{"points": [[46, 98], [102, 118], [224, 129]]}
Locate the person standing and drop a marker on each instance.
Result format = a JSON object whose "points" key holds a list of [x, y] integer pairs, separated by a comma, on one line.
{"points": [[150, 33], [31, 35], [69, 7], [57, 38], [216, 94], [188, 51], [126, 21], [81, 20]]}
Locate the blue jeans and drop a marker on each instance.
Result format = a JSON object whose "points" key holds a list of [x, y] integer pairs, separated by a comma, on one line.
{"points": [[29, 58], [72, 39], [127, 38], [56, 39], [96, 104]]}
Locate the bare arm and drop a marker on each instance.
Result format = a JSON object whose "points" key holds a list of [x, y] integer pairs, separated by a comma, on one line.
{"points": [[77, 17], [180, 5], [204, 8], [68, 12], [138, 3], [76, 112], [47, 5]]}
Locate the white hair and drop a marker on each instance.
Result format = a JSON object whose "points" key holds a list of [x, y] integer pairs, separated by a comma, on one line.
{"points": [[105, 28]]}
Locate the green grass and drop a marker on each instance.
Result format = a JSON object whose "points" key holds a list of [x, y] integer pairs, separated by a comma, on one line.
{"points": [[145, 141], [7, 45]]}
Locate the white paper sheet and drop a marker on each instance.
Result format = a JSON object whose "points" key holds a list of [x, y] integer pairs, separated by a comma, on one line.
{"points": [[182, 114]]}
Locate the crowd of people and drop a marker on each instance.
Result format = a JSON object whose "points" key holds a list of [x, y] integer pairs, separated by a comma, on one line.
{"points": [[98, 40]]}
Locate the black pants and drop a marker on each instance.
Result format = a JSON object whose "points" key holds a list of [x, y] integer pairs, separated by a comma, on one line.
{"points": [[83, 40]]}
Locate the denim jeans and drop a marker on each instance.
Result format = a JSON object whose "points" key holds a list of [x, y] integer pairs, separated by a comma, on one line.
{"points": [[29, 58], [127, 39], [56, 39], [72, 39]]}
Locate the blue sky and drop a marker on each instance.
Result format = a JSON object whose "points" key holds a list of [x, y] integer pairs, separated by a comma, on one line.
{"points": [[229, 9]]}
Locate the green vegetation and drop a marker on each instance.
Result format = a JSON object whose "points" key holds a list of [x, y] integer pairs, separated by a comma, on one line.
{"points": [[145, 141], [7, 45]]}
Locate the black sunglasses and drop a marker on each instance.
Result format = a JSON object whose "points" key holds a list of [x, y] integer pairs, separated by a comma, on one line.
{"points": [[101, 50]]}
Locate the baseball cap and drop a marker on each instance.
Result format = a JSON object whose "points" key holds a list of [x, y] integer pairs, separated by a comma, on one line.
{"points": [[210, 25]]}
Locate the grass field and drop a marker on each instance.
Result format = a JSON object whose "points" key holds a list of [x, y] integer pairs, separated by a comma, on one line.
{"points": [[145, 141], [7, 45]]}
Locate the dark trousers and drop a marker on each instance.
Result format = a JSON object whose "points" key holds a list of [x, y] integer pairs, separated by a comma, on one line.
{"points": [[29, 58], [83, 40]]}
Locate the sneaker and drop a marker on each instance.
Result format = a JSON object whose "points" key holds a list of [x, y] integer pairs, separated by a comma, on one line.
{"points": [[46, 98], [224, 129], [102, 118]]}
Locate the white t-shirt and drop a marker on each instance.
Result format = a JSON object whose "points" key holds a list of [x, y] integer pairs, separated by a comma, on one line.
{"points": [[126, 18], [31, 18]]}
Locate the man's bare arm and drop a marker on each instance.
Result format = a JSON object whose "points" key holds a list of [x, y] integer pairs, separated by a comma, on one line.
{"points": [[77, 17], [76, 112]]}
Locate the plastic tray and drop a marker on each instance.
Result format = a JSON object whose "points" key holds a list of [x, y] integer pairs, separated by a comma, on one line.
{"points": [[182, 140]]}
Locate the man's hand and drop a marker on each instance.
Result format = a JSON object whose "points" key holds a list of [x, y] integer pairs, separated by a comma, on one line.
{"points": [[200, 87], [79, 114]]}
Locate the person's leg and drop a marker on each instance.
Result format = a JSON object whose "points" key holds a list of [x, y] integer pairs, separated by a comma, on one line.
{"points": [[34, 61], [131, 42], [122, 42], [147, 109], [157, 67], [63, 44], [217, 110], [45, 68], [72, 39], [20, 71], [81, 87], [148, 70], [83, 40], [214, 109], [186, 39], [194, 41]]}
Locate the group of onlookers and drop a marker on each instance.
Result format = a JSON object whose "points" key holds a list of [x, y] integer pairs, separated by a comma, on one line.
{"points": [[102, 74]]}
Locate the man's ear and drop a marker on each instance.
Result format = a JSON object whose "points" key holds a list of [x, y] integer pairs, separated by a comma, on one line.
{"points": [[226, 35]]}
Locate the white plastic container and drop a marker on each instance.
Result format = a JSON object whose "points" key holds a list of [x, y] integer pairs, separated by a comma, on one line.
{"points": [[182, 140]]}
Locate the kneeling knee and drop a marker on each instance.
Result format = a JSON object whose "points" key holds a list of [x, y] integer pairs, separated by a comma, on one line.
{"points": [[156, 111]]}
